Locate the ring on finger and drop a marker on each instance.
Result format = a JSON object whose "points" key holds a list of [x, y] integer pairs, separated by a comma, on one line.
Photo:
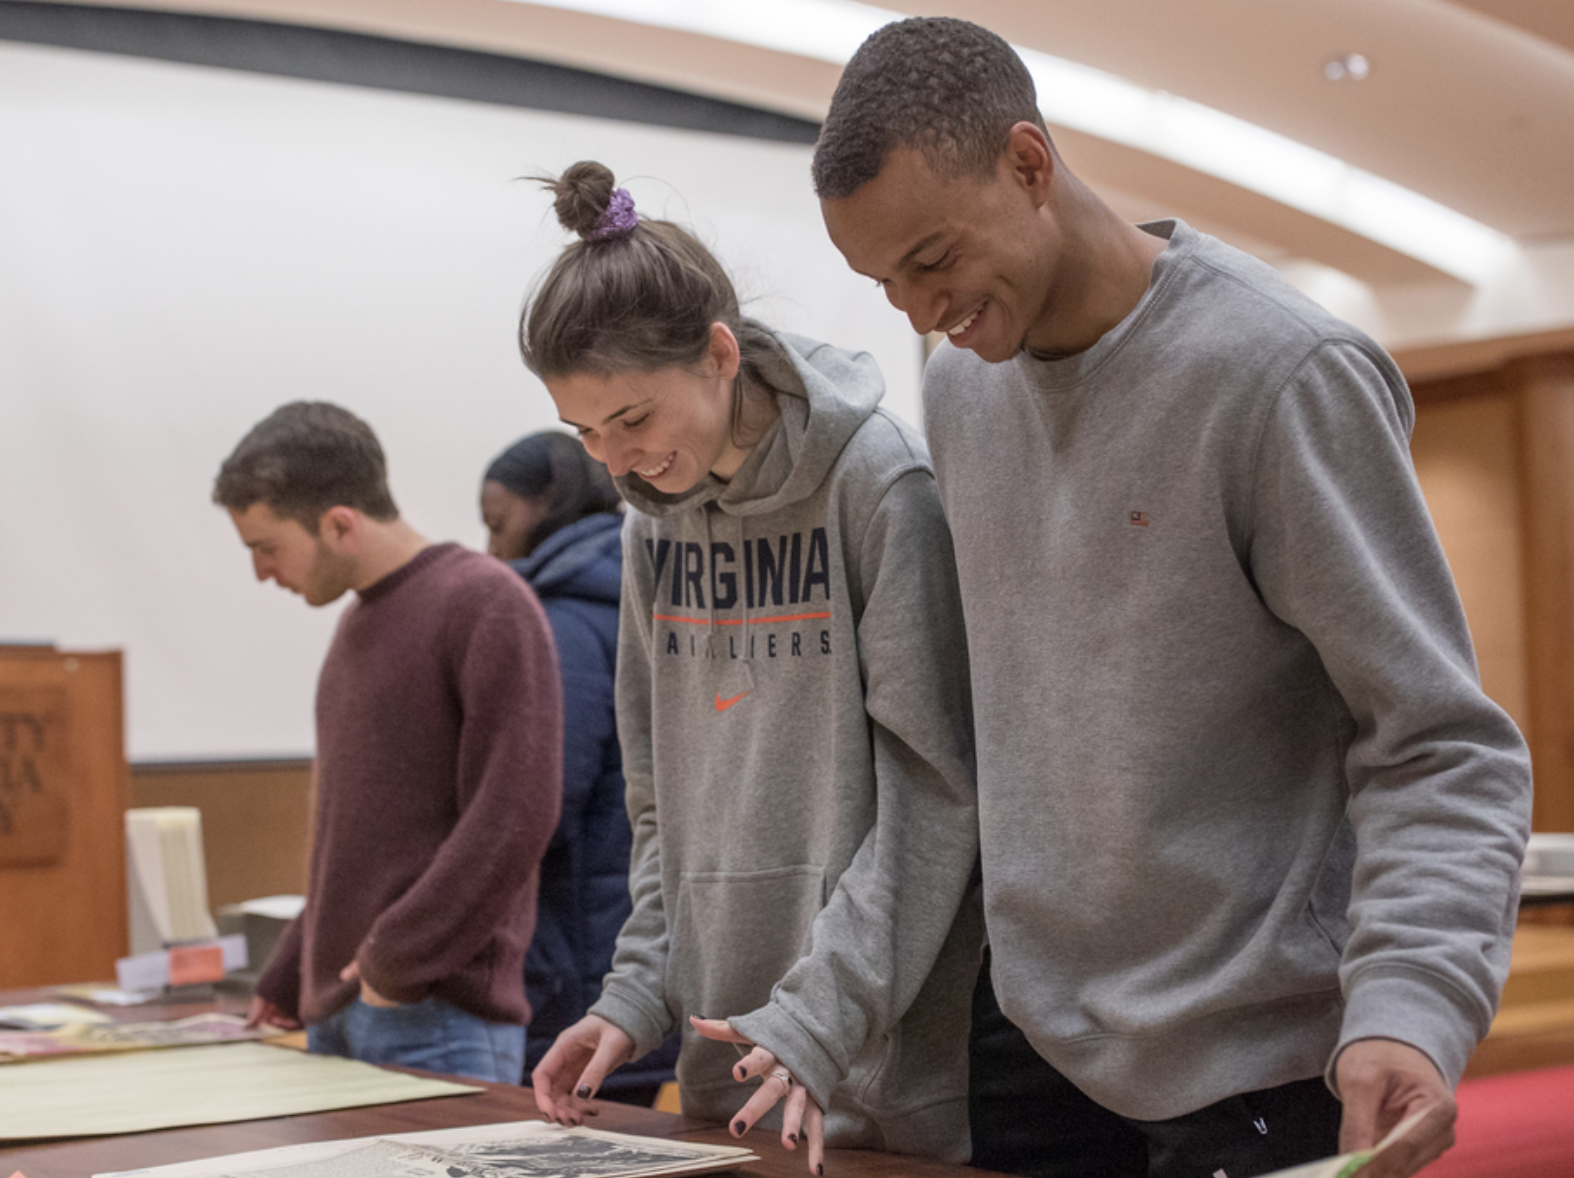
{"points": [[784, 1076]]}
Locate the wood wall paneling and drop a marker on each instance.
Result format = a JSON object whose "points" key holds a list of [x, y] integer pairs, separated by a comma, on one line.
{"points": [[1495, 454], [255, 821], [1544, 387], [63, 791], [1466, 456], [1494, 451]]}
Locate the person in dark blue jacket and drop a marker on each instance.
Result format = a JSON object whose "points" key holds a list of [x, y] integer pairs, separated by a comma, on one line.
{"points": [[553, 514]]}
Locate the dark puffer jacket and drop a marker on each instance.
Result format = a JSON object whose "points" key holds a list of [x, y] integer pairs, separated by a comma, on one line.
{"points": [[584, 899]]}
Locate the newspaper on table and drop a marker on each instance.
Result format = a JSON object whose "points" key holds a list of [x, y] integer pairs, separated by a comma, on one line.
{"points": [[104, 994], [519, 1149], [85, 1038], [46, 1016]]}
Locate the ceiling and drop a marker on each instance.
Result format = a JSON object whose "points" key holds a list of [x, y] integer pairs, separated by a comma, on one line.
{"points": [[1468, 102]]}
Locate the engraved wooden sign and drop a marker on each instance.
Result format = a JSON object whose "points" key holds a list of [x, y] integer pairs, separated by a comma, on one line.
{"points": [[35, 812]]}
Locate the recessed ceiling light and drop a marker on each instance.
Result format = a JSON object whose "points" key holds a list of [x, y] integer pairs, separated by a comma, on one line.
{"points": [[1352, 67]]}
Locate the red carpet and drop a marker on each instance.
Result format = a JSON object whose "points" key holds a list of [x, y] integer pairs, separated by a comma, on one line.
{"points": [[1518, 1125]]}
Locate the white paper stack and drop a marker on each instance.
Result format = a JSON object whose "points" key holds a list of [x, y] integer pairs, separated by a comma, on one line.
{"points": [[166, 878], [1549, 865]]}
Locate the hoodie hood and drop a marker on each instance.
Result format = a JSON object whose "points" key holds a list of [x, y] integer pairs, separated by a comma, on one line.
{"points": [[584, 560], [824, 395]]}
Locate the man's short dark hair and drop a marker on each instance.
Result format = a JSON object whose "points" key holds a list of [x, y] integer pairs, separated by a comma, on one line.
{"points": [[304, 458], [943, 87]]}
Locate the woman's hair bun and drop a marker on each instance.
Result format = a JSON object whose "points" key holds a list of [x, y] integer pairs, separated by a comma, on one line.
{"points": [[581, 195]]}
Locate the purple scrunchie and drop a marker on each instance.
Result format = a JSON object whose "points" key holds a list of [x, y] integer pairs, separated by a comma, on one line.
{"points": [[618, 220]]}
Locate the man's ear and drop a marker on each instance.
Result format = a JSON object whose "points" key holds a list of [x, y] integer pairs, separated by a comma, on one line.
{"points": [[1032, 159], [338, 525]]}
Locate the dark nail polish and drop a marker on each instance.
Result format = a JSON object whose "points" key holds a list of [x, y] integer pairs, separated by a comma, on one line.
{"points": [[820, 1169], [583, 1092], [739, 1128], [793, 1137]]}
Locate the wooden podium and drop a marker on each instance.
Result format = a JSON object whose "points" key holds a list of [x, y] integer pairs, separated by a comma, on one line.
{"points": [[64, 789]]}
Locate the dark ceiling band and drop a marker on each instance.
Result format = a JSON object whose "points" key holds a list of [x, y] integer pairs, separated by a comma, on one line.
{"points": [[384, 63]]}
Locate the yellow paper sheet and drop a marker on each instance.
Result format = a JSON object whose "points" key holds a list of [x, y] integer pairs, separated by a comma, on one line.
{"points": [[91, 1096]]}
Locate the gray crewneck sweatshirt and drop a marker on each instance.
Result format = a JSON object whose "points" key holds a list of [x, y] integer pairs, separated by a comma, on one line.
{"points": [[1241, 797], [793, 708]]}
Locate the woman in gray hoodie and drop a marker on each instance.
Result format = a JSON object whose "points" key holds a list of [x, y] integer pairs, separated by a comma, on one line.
{"points": [[792, 701]]}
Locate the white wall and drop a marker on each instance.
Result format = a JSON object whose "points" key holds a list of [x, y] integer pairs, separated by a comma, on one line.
{"points": [[184, 248]]}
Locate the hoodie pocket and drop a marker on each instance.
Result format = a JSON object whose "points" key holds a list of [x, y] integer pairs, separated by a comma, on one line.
{"points": [[736, 933]]}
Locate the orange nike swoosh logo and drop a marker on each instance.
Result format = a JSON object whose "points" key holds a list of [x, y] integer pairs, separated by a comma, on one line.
{"points": [[723, 704]]}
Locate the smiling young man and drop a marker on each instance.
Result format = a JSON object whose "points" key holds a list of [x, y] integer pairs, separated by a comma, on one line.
{"points": [[1247, 819], [438, 770]]}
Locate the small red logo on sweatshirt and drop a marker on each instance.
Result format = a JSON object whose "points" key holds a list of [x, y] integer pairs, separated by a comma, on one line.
{"points": [[1139, 519], [723, 704]]}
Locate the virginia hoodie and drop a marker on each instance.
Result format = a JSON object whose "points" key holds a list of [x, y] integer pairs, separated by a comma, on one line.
{"points": [[793, 707], [1242, 800]]}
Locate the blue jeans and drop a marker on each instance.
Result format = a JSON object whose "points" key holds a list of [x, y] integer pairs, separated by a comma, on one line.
{"points": [[431, 1035]]}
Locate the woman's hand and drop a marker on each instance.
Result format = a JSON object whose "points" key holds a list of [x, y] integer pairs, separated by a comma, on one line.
{"points": [[802, 1118], [573, 1070]]}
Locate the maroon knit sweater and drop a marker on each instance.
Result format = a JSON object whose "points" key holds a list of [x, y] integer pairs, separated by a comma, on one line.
{"points": [[439, 779]]}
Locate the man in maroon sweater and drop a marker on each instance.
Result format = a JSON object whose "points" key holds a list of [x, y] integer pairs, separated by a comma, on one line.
{"points": [[438, 775]]}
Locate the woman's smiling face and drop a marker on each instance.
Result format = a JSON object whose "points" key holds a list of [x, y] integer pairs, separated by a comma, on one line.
{"points": [[671, 426]]}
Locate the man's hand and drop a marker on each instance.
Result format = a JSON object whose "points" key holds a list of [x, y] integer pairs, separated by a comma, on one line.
{"points": [[264, 1012], [1381, 1082], [573, 1069], [352, 973], [800, 1114]]}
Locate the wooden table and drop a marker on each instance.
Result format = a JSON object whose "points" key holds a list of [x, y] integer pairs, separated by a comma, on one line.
{"points": [[497, 1103]]}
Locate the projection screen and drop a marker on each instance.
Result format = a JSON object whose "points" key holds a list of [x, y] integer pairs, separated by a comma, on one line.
{"points": [[183, 247]]}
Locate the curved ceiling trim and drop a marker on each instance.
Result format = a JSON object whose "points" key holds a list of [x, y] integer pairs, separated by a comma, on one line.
{"points": [[1114, 108]]}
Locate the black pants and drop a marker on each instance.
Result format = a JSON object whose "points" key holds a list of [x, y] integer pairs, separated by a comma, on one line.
{"points": [[1028, 1119]]}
